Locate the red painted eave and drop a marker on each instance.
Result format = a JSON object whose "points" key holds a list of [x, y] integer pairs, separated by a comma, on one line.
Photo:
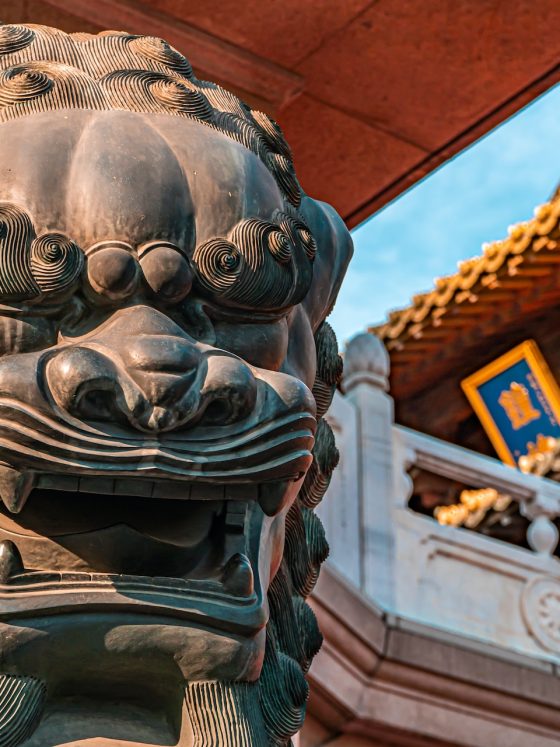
{"points": [[372, 94]]}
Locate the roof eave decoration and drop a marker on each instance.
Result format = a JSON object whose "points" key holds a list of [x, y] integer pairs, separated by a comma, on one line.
{"points": [[519, 262]]}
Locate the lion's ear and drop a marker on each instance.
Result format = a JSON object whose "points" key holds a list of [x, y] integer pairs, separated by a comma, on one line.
{"points": [[334, 251]]}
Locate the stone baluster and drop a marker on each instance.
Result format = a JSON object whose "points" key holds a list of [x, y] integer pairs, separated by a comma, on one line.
{"points": [[542, 534], [366, 372]]}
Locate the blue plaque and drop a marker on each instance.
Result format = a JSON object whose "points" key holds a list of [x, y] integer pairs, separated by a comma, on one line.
{"points": [[517, 401]]}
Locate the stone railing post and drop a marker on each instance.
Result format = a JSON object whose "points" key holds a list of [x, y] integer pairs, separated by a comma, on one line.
{"points": [[542, 534], [366, 372]]}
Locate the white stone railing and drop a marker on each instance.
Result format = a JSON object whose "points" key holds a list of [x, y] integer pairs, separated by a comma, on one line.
{"points": [[452, 578], [538, 498]]}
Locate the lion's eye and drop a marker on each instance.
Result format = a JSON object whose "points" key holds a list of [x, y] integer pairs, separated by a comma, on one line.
{"points": [[112, 270], [166, 271]]}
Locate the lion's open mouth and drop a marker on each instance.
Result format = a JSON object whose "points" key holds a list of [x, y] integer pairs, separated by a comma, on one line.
{"points": [[95, 516], [186, 549]]}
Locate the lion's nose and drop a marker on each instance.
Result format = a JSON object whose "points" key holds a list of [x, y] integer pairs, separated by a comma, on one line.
{"points": [[143, 369], [163, 366]]}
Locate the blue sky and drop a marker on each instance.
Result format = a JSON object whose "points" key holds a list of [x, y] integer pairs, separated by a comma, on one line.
{"points": [[470, 200]]}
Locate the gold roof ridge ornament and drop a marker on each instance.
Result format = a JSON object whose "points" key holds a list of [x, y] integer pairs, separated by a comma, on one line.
{"points": [[527, 249]]}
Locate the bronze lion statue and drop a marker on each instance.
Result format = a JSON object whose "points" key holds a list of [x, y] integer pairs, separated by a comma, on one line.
{"points": [[165, 366]]}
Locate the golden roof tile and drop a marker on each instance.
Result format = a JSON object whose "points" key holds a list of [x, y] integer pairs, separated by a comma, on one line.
{"points": [[478, 278]]}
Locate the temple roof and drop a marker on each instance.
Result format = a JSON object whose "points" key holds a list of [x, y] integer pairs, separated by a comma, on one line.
{"points": [[512, 277]]}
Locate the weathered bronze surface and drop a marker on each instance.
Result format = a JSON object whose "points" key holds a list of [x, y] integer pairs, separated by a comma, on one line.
{"points": [[164, 370]]}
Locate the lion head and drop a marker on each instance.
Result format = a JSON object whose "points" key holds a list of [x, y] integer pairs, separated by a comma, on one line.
{"points": [[164, 369]]}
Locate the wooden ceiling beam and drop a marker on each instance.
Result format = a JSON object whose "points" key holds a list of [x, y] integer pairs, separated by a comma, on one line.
{"points": [[463, 139], [468, 318], [457, 322], [516, 282], [423, 346], [547, 258], [496, 296], [471, 310], [532, 272]]}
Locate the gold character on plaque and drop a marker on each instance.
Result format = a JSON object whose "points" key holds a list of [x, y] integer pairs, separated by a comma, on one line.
{"points": [[516, 401]]}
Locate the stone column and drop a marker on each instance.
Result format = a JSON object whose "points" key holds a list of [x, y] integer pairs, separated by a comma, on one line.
{"points": [[366, 371]]}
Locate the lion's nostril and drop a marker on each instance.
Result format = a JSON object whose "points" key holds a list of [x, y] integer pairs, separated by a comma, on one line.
{"points": [[218, 412], [230, 390], [87, 384], [98, 404]]}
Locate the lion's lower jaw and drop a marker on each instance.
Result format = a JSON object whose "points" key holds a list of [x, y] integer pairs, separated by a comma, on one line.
{"points": [[265, 713]]}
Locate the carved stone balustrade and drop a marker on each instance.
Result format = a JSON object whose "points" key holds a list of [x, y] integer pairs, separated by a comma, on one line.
{"points": [[450, 578]]}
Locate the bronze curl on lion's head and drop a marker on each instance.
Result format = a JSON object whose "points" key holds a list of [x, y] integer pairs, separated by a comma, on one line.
{"points": [[164, 371]]}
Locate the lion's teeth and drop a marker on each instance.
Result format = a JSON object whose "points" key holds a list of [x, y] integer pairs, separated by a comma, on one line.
{"points": [[237, 576], [275, 496], [15, 487], [10, 561]]}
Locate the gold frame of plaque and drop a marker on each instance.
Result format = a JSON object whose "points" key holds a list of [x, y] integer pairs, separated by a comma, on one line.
{"points": [[528, 352]]}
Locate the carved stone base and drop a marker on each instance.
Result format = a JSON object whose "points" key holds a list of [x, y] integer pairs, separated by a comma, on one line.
{"points": [[216, 714], [21, 704], [224, 714]]}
